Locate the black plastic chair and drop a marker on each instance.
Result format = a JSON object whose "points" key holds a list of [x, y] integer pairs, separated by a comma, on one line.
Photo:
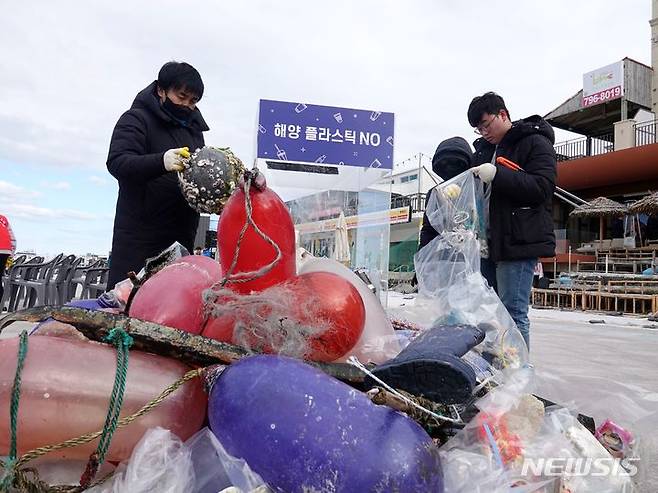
{"points": [[9, 275], [19, 272], [66, 293], [57, 288], [33, 283], [78, 276], [95, 282]]}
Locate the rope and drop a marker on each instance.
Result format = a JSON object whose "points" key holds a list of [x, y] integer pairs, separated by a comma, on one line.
{"points": [[13, 413], [38, 452], [122, 341], [27, 480]]}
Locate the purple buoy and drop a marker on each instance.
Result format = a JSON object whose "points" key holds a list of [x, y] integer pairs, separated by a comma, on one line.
{"points": [[303, 430]]}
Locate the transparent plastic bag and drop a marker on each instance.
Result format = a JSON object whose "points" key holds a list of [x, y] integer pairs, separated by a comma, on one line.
{"points": [[216, 470], [451, 289], [633, 407], [461, 204], [162, 462], [581, 462], [118, 296], [483, 456], [480, 457], [514, 442]]}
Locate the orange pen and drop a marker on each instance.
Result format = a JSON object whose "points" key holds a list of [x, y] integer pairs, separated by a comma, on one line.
{"points": [[503, 161]]}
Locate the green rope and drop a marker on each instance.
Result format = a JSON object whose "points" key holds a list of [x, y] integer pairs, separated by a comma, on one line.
{"points": [[13, 413], [122, 341]]}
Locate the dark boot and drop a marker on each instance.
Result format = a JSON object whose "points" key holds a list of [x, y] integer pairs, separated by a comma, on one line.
{"points": [[431, 365]]}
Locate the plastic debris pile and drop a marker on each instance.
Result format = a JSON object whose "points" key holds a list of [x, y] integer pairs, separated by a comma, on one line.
{"points": [[446, 404]]}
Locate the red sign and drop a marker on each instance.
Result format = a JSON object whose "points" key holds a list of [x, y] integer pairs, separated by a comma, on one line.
{"points": [[602, 96]]}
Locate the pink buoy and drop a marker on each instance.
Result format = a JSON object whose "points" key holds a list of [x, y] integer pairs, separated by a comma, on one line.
{"points": [[65, 392], [173, 296]]}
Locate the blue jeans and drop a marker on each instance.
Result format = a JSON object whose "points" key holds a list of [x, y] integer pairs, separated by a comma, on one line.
{"points": [[514, 279]]}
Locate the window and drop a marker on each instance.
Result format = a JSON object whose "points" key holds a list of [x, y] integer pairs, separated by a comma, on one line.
{"points": [[409, 178]]}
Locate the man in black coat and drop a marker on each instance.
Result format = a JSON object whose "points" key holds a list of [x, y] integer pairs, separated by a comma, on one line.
{"points": [[520, 208], [147, 147]]}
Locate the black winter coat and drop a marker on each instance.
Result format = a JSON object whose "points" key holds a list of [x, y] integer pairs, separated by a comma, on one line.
{"points": [[151, 211], [520, 210]]}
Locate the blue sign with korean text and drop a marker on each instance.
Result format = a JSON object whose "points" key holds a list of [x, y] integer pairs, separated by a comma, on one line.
{"points": [[323, 134]]}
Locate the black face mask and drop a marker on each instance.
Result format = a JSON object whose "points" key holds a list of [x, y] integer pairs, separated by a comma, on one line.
{"points": [[450, 167], [177, 111]]}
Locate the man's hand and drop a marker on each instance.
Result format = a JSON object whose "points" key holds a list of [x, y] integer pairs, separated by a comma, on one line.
{"points": [[173, 159], [486, 172]]}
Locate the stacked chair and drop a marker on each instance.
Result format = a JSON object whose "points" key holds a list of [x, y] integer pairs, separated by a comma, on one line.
{"points": [[36, 282]]}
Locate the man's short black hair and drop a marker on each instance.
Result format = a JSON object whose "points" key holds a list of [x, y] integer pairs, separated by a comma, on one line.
{"points": [[180, 75], [489, 102]]}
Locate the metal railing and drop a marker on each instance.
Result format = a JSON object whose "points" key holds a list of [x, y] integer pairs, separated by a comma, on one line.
{"points": [[645, 133], [584, 146], [416, 201]]}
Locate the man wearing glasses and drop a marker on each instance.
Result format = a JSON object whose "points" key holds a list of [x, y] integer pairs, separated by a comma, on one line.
{"points": [[519, 164]]}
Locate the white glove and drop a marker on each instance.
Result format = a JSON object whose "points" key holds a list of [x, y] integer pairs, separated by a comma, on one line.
{"points": [[173, 159], [486, 172]]}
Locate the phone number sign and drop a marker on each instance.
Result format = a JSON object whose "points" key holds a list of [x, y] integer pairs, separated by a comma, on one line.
{"points": [[603, 96], [603, 84]]}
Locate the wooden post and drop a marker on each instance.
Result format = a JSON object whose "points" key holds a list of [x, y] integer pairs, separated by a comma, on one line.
{"points": [[601, 229]]}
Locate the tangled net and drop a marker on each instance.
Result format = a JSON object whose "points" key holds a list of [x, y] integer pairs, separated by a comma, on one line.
{"points": [[268, 321]]}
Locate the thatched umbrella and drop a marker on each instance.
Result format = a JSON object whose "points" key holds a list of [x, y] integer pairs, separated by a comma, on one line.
{"points": [[600, 207], [646, 205]]}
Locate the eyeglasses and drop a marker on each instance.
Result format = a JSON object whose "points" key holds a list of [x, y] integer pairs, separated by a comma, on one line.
{"points": [[484, 127]]}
